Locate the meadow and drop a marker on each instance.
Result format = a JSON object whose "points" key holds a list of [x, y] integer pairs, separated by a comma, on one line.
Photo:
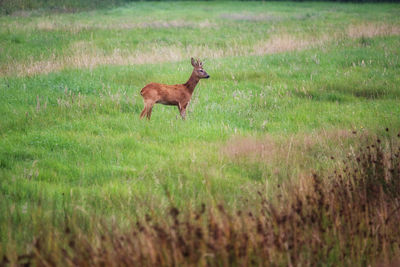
{"points": [[295, 89]]}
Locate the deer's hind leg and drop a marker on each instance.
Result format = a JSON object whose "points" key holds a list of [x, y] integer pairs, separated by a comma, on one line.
{"points": [[143, 112], [148, 107], [149, 112]]}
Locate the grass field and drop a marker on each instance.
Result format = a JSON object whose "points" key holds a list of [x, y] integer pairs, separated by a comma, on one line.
{"points": [[289, 84]]}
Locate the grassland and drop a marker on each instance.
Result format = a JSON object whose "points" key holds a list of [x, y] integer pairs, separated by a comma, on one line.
{"points": [[289, 83]]}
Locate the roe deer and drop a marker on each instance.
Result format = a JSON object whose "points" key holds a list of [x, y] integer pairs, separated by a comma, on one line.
{"points": [[173, 95]]}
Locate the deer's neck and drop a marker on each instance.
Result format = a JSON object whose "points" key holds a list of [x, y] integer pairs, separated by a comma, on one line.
{"points": [[192, 82]]}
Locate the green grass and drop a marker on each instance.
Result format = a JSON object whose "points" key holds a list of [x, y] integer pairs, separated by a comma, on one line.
{"points": [[8, 7], [71, 142]]}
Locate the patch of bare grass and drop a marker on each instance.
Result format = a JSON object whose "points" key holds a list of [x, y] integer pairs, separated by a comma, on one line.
{"points": [[286, 43], [251, 17], [372, 29], [75, 27], [86, 55], [256, 149], [262, 17], [268, 148], [291, 156]]}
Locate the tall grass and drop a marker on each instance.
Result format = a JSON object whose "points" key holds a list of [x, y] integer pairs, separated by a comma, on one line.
{"points": [[349, 217]]}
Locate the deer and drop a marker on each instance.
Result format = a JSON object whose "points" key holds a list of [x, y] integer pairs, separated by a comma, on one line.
{"points": [[172, 95]]}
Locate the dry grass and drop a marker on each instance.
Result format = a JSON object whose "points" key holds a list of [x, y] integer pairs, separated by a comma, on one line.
{"points": [[264, 149], [251, 17], [269, 149], [292, 156], [54, 24], [267, 157], [287, 42], [90, 56], [77, 27], [372, 29], [86, 55]]}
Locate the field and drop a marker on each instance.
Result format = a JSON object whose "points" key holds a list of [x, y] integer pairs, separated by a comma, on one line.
{"points": [[294, 89]]}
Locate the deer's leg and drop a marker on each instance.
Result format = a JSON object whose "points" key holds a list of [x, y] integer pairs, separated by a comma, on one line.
{"points": [[182, 110], [183, 113], [148, 106], [149, 110], [143, 112]]}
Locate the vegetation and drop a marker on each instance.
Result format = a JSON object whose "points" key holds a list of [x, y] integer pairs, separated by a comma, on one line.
{"points": [[288, 86], [63, 6], [71, 6], [348, 217]]}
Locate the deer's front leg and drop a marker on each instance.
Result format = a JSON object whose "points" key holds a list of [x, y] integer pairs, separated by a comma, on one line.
{"points": [[182, 110]]}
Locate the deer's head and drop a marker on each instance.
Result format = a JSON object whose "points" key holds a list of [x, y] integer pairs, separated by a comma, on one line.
{"points": [[198, 69]]}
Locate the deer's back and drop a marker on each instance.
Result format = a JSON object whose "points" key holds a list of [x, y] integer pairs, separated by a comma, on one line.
{"points": [[166, 94]]}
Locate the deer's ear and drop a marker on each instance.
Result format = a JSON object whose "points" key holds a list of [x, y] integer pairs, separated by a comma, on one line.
{"points": [[193, 62]]}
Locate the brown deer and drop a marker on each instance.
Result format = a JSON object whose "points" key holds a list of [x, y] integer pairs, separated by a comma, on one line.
{"points": [[172, 95]]}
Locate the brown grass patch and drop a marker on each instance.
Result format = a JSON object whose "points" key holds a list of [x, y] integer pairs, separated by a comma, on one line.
{"points": [[75, 27], [86, 55], [263, 17], [307, 142], [255, 149], [268, 147], [250, 17], [46, 25], [290, 156], [286, 42], [372, 29]]}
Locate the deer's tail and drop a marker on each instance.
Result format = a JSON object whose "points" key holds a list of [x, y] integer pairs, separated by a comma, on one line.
{"points": [[143, 90]]}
